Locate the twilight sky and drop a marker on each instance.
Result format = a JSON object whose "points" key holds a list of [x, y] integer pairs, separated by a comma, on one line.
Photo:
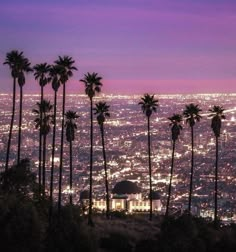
{"points": [[160, 46]]}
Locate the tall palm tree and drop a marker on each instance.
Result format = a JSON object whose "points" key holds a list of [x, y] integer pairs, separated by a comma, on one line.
{"points": [[13, 60], [55, 78], [41, 73], [71, 126], [217, 114], [24, 67], [66, 66], [175, 123], [93, 85], [43, 122], [148, 106], [191, 114], [102, 111]]}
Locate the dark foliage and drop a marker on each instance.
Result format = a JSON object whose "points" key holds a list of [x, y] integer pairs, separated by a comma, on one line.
{"points": [[21, 229], [116, 242], [18, 180], [66, 232]]}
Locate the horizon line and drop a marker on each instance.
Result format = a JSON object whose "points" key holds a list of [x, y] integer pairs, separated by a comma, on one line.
{"points": [[72, 93]]}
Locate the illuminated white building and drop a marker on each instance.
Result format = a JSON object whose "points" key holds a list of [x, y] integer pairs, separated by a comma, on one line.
{"points": [[127, 196]]}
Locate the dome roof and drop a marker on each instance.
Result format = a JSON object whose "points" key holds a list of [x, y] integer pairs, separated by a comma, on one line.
{"points": [[126, 187], [84, 195]]}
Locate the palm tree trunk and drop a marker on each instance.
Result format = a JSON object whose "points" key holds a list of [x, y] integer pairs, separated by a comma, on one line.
{"points": [[171, 176], [71, 173], [90, 222], [53, 151], [150, 169], [62, 145], [19, 126], [44, 163], [40, 143], [105, 169], [216, 183], [191, 174], [12, 121]]}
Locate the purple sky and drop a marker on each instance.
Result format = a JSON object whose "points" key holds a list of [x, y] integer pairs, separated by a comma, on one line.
{"points": [[161, 46]]}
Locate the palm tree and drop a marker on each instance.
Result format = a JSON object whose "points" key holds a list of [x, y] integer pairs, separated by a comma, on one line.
{"points": [[217, 115], [24, 67], [71, 126], [148, 106], [93, 85], [65, 64], [43, 122], [41, 72], [102, 111], [191, 114], [13, 60], [175, 123], [55, 78]]}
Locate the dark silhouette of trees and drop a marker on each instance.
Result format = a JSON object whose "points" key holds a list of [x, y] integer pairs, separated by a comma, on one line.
{"points": [[24, 67], [148, 106], [18, 180], [41, 73], [93, 85], [175, 123], [55, 78], [71, 126], [14, 60], [102, 111], [66, 66], [191, 114], [217, 114], [43, 122]]}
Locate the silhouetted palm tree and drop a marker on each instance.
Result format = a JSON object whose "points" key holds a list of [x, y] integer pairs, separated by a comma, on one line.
{"points": [[65, 64], [93, 85], [13, 60], [217, 115], [149, 105], [43, 122], [176, 127], [24, 67], [55, 78], [102, 111], [41, 72], [191, 114], [71, 126]]}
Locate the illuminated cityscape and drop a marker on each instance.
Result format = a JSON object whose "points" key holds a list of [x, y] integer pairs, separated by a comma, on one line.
{"points": [[126, 147]]}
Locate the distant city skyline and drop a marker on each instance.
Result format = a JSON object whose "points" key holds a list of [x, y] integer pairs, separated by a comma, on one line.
{"points": [[157, 46]]}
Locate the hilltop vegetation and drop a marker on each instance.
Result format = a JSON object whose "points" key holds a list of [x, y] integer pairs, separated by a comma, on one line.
{"points": [[25, 225]]}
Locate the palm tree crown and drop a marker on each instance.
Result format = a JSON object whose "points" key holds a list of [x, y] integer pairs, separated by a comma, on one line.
{"points": [[45, 108], [54, 73], [217, 114], [102, 111], [70, 125], [14, 60], [24, 67], [18, 65], [176, 127], [148, 104], [65, 67], [191, 113], [41, 72], [92, 84]]}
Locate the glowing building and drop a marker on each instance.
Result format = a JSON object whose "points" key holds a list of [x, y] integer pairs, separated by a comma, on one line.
{"points": [[125, 196]]}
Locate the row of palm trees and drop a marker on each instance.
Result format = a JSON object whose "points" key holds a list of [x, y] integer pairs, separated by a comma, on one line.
{"points": [[45, 108], [59, 74], [192, 115]]}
